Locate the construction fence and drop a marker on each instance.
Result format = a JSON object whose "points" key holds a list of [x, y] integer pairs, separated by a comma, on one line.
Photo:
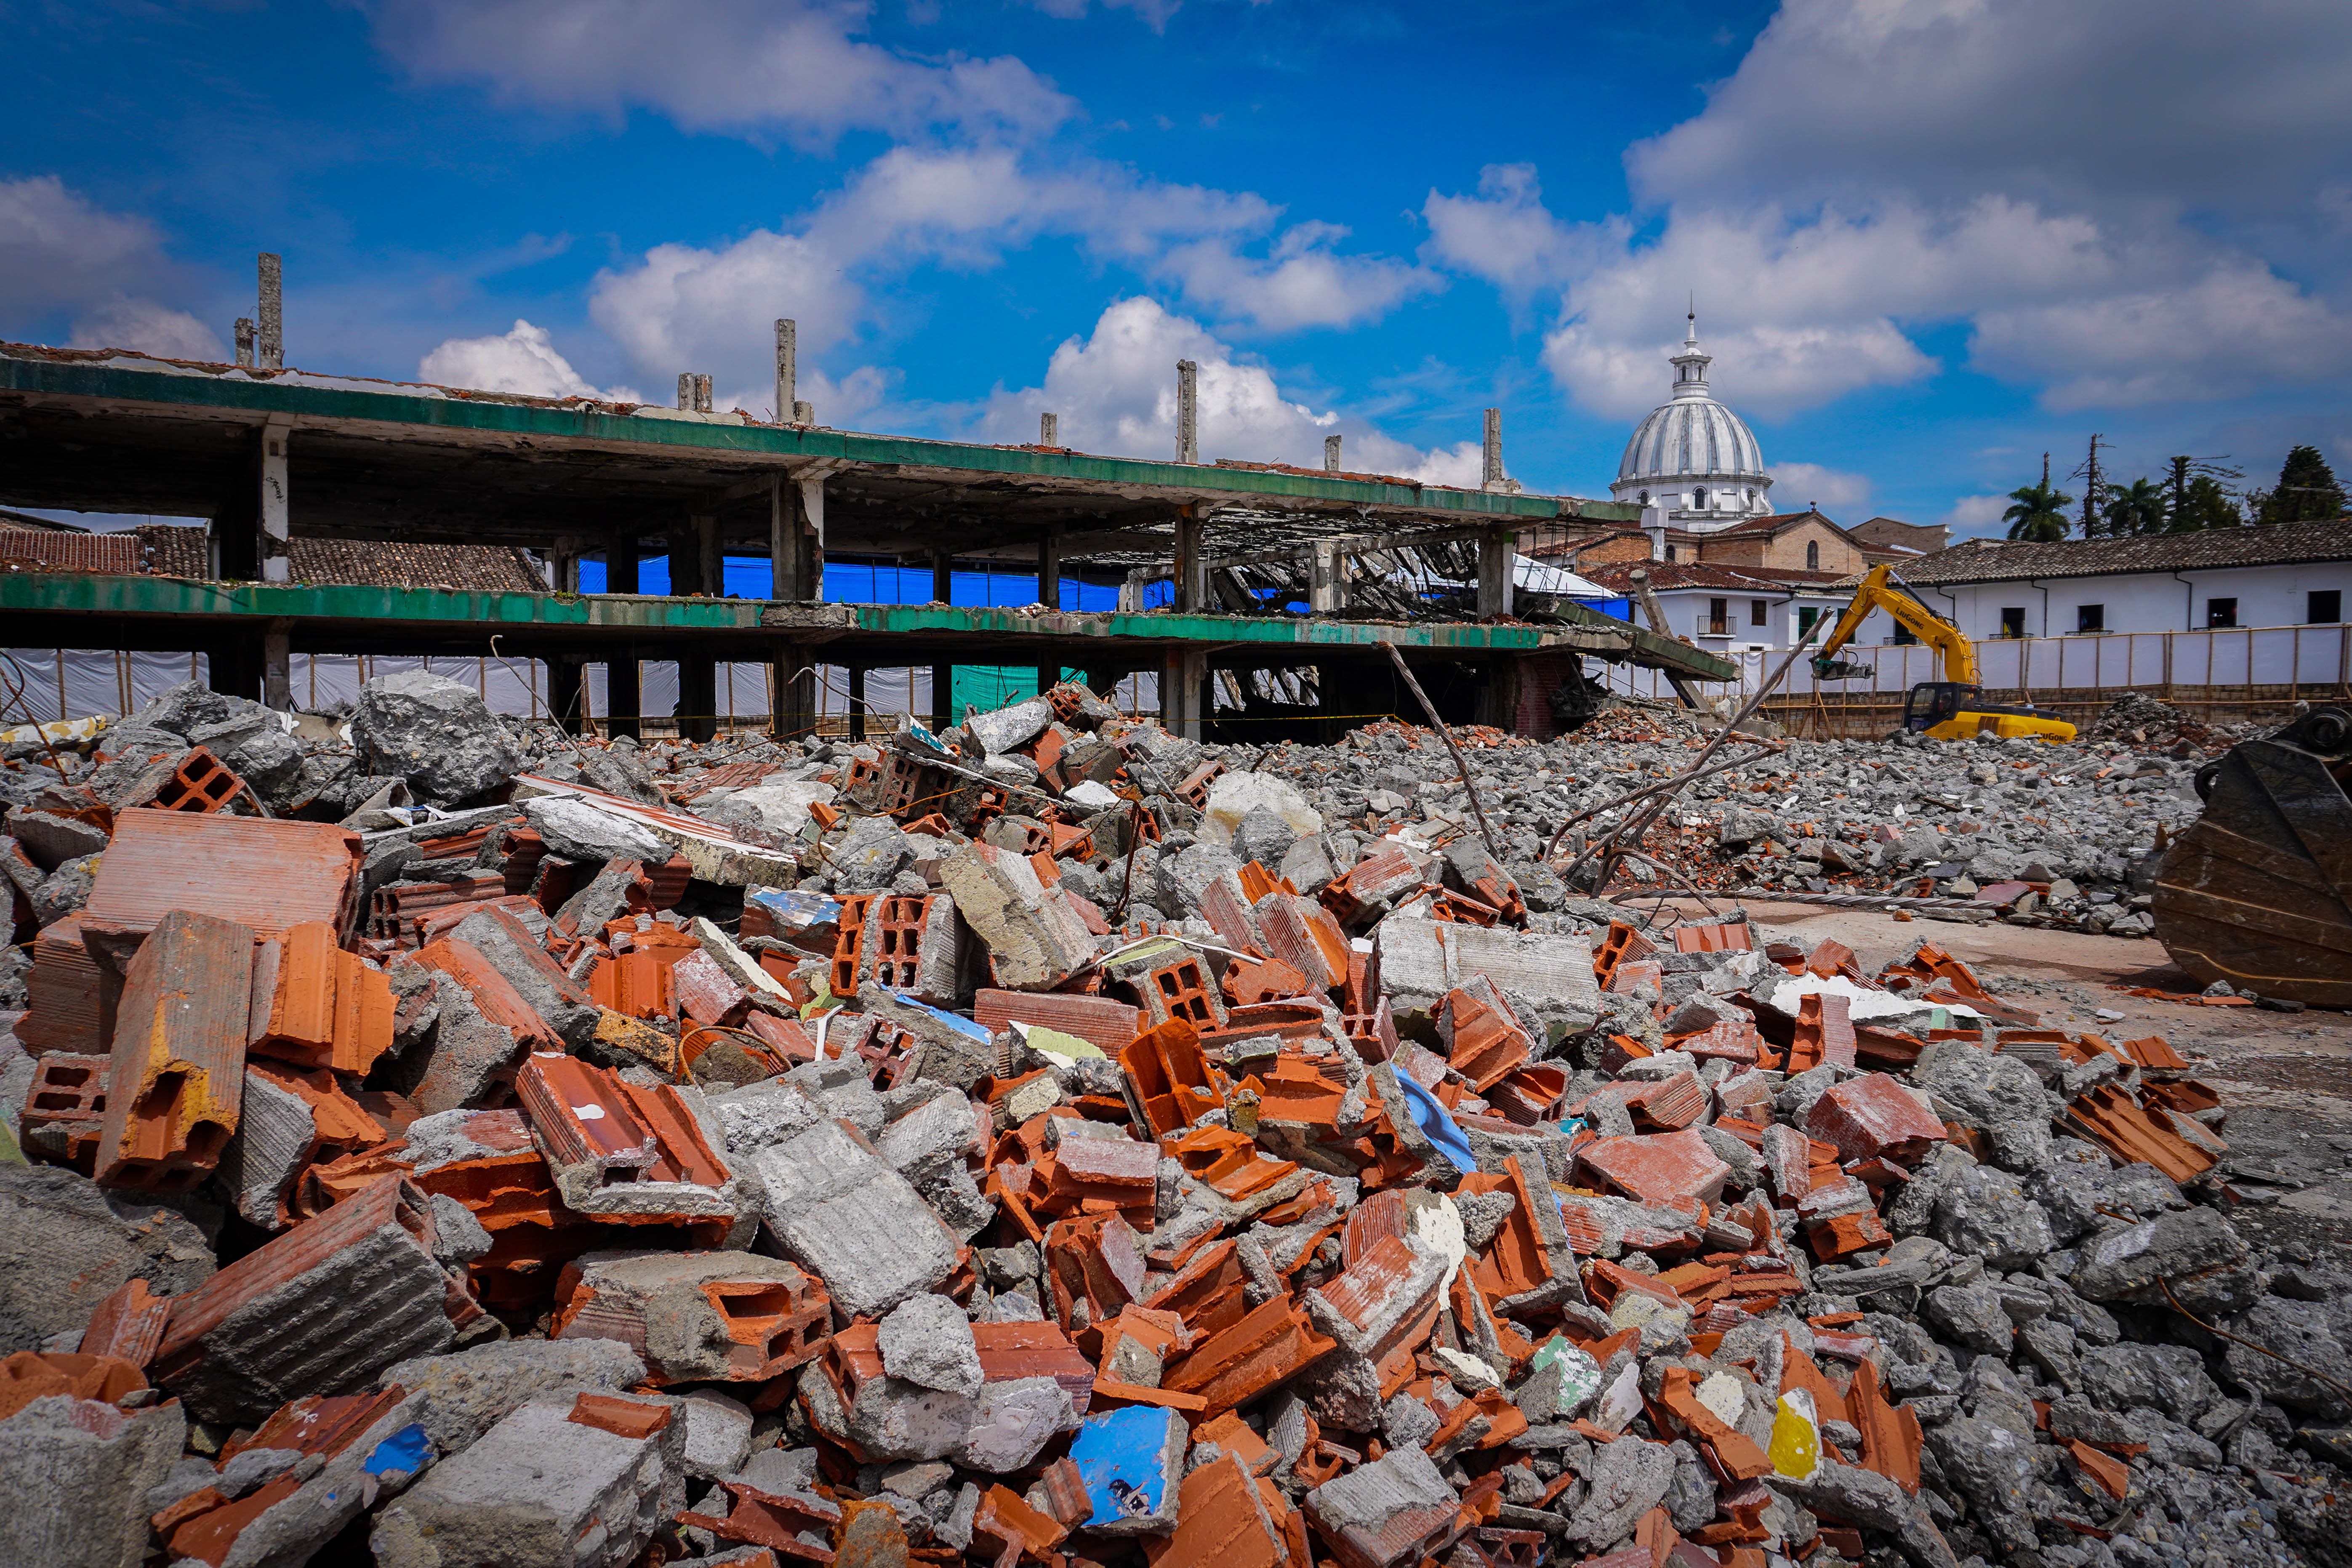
{"points": [[2222, 675]]}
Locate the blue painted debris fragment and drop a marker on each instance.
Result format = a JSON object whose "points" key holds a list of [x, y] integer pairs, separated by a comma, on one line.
{"points": [[1130, 1460], [404, 1451]]}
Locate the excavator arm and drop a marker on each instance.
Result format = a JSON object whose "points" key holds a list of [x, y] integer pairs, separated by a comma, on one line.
{"points": [[1951, 645]]}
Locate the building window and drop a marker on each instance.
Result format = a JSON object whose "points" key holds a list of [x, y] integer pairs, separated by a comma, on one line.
{"points": [[2090, 617], [1805, 619], [1698, 498], [2012, 621], [1751, 495], [1642, 496], [2325, 605], [1903, 635], [2220, 612], [1812, 556], [1670, 553], [1759, 613], [1718, 618]]}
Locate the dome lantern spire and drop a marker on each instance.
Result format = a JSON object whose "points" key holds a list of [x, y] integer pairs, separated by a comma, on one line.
{"points": [[1690, 366]]}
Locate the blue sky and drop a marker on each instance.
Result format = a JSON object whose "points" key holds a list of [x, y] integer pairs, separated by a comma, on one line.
{"points": [[1928, 239]]}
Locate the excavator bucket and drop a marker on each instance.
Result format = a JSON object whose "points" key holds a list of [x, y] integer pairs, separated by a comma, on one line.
{"points": [[1838, 669], [2258, 892]]}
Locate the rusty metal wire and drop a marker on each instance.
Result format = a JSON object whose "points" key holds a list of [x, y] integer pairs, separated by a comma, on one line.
{"points": [[2316, 1377]]}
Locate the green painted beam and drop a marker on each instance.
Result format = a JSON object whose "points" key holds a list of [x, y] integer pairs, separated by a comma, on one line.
{"points": [[212, 606], [425, 409]]}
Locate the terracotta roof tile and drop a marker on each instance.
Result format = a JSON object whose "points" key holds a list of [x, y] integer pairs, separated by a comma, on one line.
{"points": [[2000, 560]]}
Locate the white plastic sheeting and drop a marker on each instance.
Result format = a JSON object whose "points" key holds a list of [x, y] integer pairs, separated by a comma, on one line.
{"points": [[74, 683]]}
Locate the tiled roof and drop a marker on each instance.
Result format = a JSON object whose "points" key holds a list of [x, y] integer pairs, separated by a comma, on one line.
{"points": [[113, 553], [174, 550], [1998, 559], [1667, 576], [179, 551], [475, 568], [1775, 524]]}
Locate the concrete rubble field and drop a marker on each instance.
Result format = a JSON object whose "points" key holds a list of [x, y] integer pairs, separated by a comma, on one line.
{"points": [[436, 1140]]}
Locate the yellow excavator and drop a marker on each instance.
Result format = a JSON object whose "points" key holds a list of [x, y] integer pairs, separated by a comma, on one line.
{"points": [[1952, 709]]}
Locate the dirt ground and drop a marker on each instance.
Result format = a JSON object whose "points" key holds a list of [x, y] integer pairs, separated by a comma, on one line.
{"points": [[2284, 1077]]}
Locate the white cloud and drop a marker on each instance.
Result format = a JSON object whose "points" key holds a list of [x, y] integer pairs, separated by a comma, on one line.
{"points": [[1983, 162], [1798, 485], [2098, 104], [1115, 393], [2218, 335], [60, 251], [788, 67], [1302, 283], [1975, 516], [710, 309], [1152, 13], [523, 360], [127, 322], [1505, 234]]}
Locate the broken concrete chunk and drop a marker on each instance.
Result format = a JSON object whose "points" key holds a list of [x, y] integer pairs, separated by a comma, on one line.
{"points": [[839, 1209], [79, 1471], [552, 1486]]}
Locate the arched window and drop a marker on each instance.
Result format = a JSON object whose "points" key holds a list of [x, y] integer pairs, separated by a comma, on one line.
{"points": [[1670, 553], [1642, 496], [1812, 556], [1698, 498], [1751, 495]]}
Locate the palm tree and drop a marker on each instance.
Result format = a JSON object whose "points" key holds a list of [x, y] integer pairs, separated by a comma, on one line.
{"points": [[2136, 508], [2039, 515]]}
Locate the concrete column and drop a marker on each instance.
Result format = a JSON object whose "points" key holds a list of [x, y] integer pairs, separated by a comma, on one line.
{"points": [[685, 561], [275, 521], [858, 702], [1183, 692], [278, 666], [623, 693], [698, 696], [710, 555], [1495, 573], [1049, 572], [803, 412], [943, 711], [942, 577], [1493, 446], [272, 313], [1188, 412], [564, 688], [1331, 454], [563, 560], [812, 523], [244, 342], [1049, 430], [1327, 590], [787, 368], [789, 552], [795, 682], [1192, 582], [620, 564], [1049, 593]]}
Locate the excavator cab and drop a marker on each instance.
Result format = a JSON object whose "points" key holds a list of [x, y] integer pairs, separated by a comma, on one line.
{"points": [[1934, 702], [1951, 710]]}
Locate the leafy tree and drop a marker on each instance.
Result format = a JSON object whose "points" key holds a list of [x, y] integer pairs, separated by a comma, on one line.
{"points": [[2039, 514], [2306, 491], [2136, 508], [2205, 504], [2197, 498]]}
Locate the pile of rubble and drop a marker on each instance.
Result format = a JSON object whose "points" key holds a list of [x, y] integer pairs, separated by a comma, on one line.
{"points": [[1053, 1141], [2021, 830]]}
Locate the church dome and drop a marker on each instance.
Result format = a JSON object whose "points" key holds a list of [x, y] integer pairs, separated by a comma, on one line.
{"points": [[1693, 456]]}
